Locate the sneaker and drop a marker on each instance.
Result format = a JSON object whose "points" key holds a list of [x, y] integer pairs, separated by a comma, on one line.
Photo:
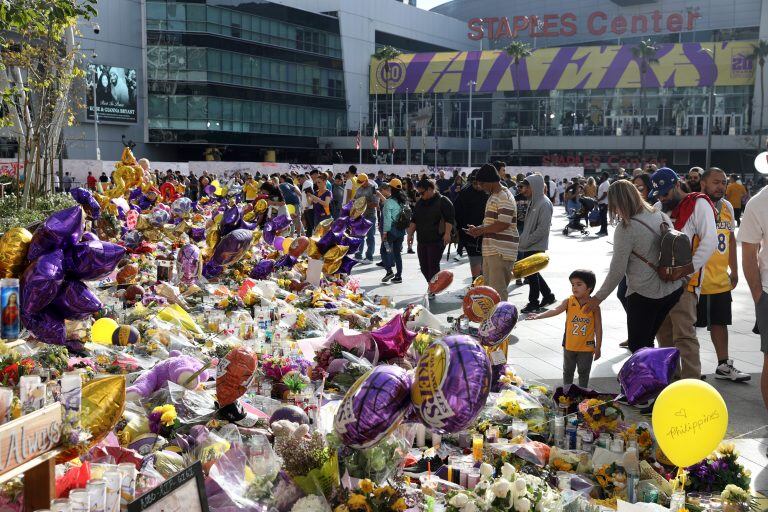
{"points": [[624, 344], [548, 301], [726, 371], [387, 277], [457, 257], [531, 307], [369, 259], [380, 264], [518, 282], [397, 279]]}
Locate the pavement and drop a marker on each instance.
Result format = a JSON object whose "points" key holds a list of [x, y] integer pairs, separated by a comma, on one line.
{"points": [[535, 348]]}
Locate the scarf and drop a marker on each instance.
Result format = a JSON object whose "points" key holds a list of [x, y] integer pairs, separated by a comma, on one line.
{"points": [[684, 209]]}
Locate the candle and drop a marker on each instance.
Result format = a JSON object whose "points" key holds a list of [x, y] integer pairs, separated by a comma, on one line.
{"points": [[113, 479], [421, 432], [436, 440], [79, 500], [60, 505], [127, 484], [97, 490], [72, 392], [477, 447], [473, 478], [6, 399], [492, 434], [28, 393]]}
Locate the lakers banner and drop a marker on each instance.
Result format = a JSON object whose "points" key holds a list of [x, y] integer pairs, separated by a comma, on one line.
{"points": [[566, 68]]}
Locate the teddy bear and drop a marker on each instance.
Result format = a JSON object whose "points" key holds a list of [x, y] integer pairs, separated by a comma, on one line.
{"points": [[178, 368]]}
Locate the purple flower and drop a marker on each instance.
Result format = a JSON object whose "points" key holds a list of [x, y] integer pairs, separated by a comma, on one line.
{"points": [[154, 422]]}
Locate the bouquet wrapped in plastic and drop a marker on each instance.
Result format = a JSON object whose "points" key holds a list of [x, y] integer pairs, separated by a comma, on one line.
{"points": [[378, 463]]}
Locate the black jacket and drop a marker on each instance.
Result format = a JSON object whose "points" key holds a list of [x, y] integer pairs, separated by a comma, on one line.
{"points": [[470, 208], [427, 215]]}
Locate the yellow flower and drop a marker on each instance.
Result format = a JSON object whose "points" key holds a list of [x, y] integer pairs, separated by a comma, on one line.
{"points": [[726, 448], [399, 505], [357, 502], [366, 485], [341, 508], [379, 491]]}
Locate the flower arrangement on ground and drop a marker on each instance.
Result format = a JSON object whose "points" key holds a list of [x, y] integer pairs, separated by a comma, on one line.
{"points": [[369, 497], [600, 416], [718, 471]]}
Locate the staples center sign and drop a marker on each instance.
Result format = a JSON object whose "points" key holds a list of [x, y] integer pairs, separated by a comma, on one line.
{"points": [[569, 24]]}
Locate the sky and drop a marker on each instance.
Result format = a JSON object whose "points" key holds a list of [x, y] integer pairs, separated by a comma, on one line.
{"points": [[428, 4]]}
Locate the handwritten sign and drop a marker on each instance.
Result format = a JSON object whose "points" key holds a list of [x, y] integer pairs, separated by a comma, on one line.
{"points": [[27, 437], [183, 491]]}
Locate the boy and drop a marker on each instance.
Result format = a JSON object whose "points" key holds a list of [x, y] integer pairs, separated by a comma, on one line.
{"points": [[583, 331]]}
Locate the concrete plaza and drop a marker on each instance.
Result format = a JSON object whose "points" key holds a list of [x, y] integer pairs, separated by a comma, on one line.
{"points": [[536, 351]]}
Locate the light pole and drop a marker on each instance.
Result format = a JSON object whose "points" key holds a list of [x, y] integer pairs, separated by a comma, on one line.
{"points": [[469, 125], [711, 105], [94, 102]]}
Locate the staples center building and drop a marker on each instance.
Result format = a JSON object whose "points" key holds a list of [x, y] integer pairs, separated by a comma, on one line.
{"points": [[580, 97]]}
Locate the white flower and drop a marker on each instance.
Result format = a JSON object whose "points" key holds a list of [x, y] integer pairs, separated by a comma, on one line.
{"points": [[311, 504], [508, 471], [486, 470], [459, 500], [520, 484], [523, 505], [469, 507], [501, 488]]}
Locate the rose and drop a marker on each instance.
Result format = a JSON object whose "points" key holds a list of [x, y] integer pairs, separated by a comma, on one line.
{"points": [[469, 507], [508, 471], [501, 488], [459, 500], [523, 505], [486, 470], [520, 484]]}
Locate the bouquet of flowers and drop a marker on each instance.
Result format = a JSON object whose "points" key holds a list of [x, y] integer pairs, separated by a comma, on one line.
{"points": [[513, 490], [163, 420], [718, 471], [737, 499], [369, 497], [600, 416], [611, 479], [379, 462], [641, 433], [13, 366], [307, 458], [514, 403], [277, 367]]}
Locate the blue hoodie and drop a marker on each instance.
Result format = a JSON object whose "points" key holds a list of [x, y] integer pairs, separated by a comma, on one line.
{"points": [[538, 219]]}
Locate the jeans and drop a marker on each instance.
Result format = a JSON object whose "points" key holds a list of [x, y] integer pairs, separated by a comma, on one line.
{"points": [[645, 316], [621, 293], [573, 360], [309, 221], [536, 283], [370, 241], [429, 254], [603, 218], [393, 257]]}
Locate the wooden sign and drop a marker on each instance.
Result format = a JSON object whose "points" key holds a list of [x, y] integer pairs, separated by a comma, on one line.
{"points": [[183, 492], [24, 439]]}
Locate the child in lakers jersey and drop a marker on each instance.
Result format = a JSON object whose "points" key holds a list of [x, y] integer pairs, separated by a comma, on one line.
{"points": [[583, 331]]}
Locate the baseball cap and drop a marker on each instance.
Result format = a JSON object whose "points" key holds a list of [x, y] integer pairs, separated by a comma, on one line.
{"points": [[362, 178], [395, 183], [662, 181], [488, 174]]}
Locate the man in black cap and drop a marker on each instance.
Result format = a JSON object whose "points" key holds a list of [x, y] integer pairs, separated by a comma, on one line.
{"points": [[499, 231], [470, 210]]}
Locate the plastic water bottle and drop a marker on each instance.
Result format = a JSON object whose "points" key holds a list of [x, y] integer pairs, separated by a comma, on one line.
{"points": [[559, 431], [570, 434]]}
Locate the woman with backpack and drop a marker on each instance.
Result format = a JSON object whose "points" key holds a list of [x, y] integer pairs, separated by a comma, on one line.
{"points": [[396, 216], [649, 298]]}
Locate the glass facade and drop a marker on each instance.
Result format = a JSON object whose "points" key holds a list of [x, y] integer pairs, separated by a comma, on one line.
{"points": [[284, 79], [598, 112]]}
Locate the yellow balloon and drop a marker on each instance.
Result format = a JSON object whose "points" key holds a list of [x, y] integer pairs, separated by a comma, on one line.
{"points": [[479, 281], [261, 206], [287, 244], [13, 251], [530, 265], [689, 421], [102, 329], [290, 209]]}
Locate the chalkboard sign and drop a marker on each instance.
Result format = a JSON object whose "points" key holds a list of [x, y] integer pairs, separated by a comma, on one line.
{"points": [[183, 492]]}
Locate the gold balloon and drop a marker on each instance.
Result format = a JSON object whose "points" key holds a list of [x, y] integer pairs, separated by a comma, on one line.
{"points": [[479, 281], [142, 223], [358, 207], [13, 251], [530, 265], [331, 266], [335, 253], [312, 251], [322, 228], [250, 216], [261, 206], [127, 157], [256, 236], [212, 238], [101, 409]]}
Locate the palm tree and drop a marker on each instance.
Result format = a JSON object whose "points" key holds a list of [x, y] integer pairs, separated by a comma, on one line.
{"points": [[387, 54], [759, 53], [518, 50], [645, 52]]}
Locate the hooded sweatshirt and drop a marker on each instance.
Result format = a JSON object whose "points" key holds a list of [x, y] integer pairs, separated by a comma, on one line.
{"points": [[538, 219]]}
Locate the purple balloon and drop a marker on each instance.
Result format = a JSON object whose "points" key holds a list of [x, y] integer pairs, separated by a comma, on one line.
{"points": [[135, 194], [229, 220], [181, 206], [232, 247], [262, 269], [494, 330], [340, 225], [347, 263], [159, 217], [328, 240], [360, 226], [290, 413], [189, 262], [132, 239], [647, 372], [353, 242], [209, 190], [451, 385], [84, 198], [59, 231], [41, 281], [268, 232], [92, 260], [247, 225], [286, 261], [89, 236], [280, 222], [197, 234], [393, 339], [46, 326], [75, 301], [346, 209], [373, 407], [211, 270]]}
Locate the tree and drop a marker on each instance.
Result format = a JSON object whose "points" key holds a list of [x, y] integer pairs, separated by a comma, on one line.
{"points": [[37, 69], [387, 54], [645, 53], [518, 50], [759, 53]]}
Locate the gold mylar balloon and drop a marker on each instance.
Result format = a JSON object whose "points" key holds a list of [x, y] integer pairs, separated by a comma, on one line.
{"points": [[142, 223], [256, 236], [530, 265], [322, 228], [312, 251], [479, 281], [335, 253], [331, 266], [212, 238], [261, 206], [13, 251], [358, 207], [101, 409]]}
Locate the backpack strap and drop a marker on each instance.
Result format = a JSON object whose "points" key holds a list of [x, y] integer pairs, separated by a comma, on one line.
{"points": [[641, 258]]}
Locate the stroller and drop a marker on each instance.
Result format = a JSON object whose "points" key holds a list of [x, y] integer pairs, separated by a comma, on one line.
{"points": [[576, 213]]}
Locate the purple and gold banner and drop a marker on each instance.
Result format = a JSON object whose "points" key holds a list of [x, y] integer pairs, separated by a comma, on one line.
{"points": [[566, 68]]}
